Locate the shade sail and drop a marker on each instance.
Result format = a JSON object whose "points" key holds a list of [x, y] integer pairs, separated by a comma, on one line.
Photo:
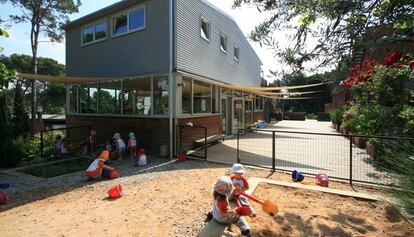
{"points": [[263, 91]]}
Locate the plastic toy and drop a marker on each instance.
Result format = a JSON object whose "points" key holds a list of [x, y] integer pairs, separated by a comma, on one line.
{"points": [[115, 191]]}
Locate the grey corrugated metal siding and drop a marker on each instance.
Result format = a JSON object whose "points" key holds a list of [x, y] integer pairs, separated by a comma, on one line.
{"points": [[138, 53], [195, 55]]}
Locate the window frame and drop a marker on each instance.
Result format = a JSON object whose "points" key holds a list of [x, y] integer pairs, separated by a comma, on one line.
{"points": [[237, 59], [203, 19], [128, 31], [224, 36], [93, 25]]}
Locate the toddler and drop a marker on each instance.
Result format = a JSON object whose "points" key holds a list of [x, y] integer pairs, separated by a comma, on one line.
{"points": [[141, 158], [132, 145], [240, 183], [221, 212], [120, 146]]}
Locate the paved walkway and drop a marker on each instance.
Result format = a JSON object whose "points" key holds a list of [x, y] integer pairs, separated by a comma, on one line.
{"points": [[307, 153]]}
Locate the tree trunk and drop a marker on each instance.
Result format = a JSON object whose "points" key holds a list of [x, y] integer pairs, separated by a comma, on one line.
{"points": [[34, 43]]}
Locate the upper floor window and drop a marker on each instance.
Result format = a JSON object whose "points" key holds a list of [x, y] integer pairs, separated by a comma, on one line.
{"points": [[93, 33], [236, 53], [129, 21], [223, 43], [205, 29]]}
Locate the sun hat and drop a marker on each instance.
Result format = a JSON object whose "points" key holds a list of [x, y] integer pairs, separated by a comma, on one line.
{"points": [[224, 186], [237, 169], [117, 135], [132, 135], [104, 154]]}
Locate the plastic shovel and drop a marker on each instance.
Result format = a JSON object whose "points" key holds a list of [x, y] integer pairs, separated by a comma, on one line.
{"points": [[268, 206]]}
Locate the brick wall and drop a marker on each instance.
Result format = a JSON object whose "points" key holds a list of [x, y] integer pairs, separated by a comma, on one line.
{"points": [[189, 135]]}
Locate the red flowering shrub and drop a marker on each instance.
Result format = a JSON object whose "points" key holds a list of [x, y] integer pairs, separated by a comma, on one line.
{"points": [[392, 58]]}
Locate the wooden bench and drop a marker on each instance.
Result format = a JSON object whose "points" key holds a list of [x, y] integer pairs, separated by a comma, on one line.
{"points": [[216, 229], [210, 139]]}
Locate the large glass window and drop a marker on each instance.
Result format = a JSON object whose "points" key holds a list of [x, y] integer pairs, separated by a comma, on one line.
{"points": [[129, 21], [205, 29], [160, 95], [137, 96], [215, 100], [186, 96], [110, 97], [88, 98], [95, 32], [73, 99], [202, 97]]}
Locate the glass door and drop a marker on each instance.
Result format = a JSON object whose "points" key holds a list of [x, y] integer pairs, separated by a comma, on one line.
{"points": [[238, 115], [224, 115]]}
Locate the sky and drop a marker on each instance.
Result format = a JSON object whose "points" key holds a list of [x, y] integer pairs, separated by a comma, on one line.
{"points": [[246, 17]]}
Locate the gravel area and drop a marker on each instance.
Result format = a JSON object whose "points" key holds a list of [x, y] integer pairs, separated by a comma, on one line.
{"points": [[168, 200]]}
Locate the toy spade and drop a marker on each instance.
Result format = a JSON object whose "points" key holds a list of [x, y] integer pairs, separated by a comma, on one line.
{"points": [[268, 206]]}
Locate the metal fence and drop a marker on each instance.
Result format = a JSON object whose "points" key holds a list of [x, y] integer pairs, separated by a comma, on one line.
{"points": [[346, 157]]}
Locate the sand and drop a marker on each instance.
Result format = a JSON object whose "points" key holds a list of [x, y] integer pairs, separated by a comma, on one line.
{"points": [[173, 200]]}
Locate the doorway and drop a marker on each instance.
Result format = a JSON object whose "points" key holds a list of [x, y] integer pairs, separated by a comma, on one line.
{"points": [[237, 115]]}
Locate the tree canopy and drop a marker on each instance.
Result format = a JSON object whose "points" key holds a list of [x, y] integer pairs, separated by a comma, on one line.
{"points": [[339, 26]]}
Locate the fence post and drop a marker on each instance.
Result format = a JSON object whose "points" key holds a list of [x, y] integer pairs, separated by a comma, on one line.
{"points": [[350, 159], [273, 152], [41, 143], [205, 143], [238, 147]]}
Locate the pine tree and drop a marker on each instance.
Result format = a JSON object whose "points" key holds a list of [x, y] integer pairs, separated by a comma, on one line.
{"points": [[20, 118]]}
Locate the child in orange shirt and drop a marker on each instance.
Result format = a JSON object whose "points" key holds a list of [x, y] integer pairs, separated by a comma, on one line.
{"points": [[98, 168], [221, 212]]}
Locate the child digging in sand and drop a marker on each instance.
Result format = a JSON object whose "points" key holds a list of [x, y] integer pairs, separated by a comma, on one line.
{"points": [[240, 183], [221, 212], [98, 168]]}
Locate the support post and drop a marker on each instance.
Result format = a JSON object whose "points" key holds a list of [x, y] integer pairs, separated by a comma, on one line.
{"points": [[238, 146], [41, 143], [273, 151], [350, 159], [205, 143]]}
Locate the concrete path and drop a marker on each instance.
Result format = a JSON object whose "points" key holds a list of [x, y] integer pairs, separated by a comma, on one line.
{"points": [[307, 153]]}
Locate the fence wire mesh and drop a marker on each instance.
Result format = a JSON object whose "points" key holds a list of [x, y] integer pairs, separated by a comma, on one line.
{"points": [[346, 157]]}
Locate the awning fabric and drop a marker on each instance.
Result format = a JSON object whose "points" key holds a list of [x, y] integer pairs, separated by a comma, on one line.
{"points": [[263, 91]]}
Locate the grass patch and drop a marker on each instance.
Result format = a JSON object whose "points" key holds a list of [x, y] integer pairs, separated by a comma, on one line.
{"points": [[57, 169]]}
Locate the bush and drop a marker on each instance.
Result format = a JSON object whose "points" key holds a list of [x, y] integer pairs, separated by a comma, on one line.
{"points": [[11, 153], [407, 115], [33, 144], [311, 116], [337, 115]]}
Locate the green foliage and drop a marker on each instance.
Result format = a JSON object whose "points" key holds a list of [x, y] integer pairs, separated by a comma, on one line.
{"points": [[20, 117], [311, 116], [337, 115], [337, 26], [57, 169], [49, 138], [53, 98], [11, 152], [407, 116]]}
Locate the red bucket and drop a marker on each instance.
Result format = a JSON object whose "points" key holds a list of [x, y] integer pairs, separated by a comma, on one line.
{"points": [[115, 191], [3, 198]]}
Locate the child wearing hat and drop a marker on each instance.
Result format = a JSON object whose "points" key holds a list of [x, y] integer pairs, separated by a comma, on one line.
{"points": [[240, 183], [98, 168], [132, 144], [221, 211], [120, 146], [141, 158]]}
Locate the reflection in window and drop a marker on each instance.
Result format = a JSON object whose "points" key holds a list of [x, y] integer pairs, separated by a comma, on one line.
{"points": [[120, 24], [137, 19], [223, 43], [202, 97], [248, 105], [137, 96], [161, 95], [100, 31], [214, 100], [88, 34], [73, 101], [88, 95], [186, 96], [110, 97], [205, 29], [237, 93]]}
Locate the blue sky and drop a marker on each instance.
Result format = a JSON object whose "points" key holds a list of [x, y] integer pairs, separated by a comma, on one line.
{"points": [[19, 41]]}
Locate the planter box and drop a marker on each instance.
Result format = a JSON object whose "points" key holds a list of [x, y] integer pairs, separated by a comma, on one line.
{"points": [[344, 131], [371, 150], [359, 141]]}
